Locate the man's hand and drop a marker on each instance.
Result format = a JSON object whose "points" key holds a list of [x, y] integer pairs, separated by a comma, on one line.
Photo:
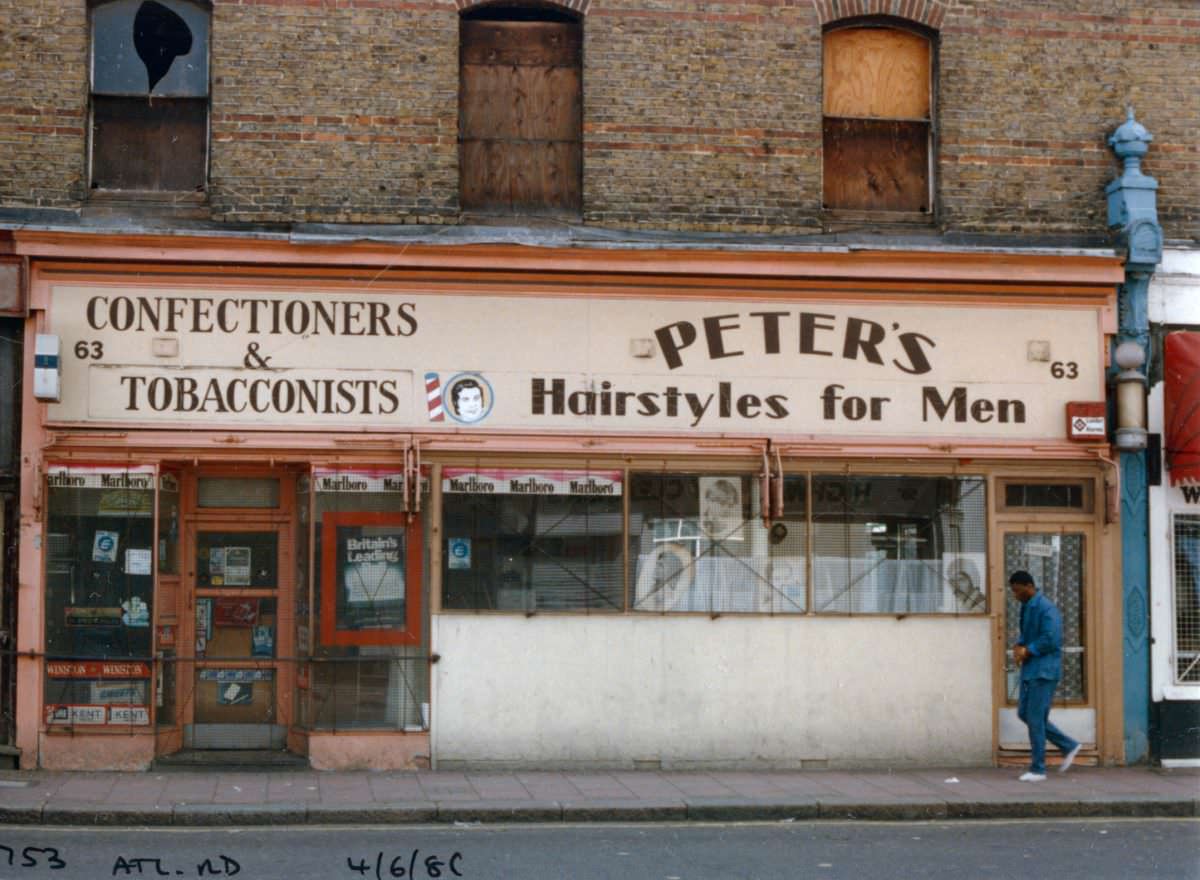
{"points": [[1020, 654]]}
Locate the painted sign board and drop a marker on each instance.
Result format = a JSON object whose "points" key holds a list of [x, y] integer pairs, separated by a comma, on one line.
{"points": [[411, 360]]}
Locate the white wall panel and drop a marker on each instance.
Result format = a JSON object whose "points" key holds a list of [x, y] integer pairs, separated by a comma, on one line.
{"points": [[689, 691]]}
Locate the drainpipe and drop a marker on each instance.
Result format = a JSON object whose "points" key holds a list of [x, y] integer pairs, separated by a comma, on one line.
{"points": [[1133, 216]]}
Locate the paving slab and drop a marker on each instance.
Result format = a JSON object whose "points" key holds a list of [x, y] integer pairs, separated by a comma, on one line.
{"points": [[362, 797]]}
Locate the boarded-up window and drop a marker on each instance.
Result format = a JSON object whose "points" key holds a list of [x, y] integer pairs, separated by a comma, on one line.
{"points": [[520, 113], [878, 120], [149, 95]]}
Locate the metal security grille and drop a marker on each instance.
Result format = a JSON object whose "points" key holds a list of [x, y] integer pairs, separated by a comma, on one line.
{"points": [[1187, 598], [1056, 563]]}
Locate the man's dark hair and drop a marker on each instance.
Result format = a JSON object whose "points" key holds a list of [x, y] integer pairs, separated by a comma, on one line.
{"points": [[1021, 577], [461, 386]]}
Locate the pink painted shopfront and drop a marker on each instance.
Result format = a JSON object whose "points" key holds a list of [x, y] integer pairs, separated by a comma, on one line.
{"points": [[509, 507]]}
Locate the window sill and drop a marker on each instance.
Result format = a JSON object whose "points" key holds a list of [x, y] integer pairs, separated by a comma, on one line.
{"points": [[158, 196], [836, 219], [183, 204], [478, 217]]}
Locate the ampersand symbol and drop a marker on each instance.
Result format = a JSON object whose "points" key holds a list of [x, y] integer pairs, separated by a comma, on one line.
{"points": [[253, 360]]}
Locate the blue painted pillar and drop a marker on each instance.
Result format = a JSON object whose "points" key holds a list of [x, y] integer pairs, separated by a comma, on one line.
{"points": [[1133, 213]]}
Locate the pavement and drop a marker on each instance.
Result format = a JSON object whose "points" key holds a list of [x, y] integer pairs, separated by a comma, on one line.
{"points": [[273, 797]]}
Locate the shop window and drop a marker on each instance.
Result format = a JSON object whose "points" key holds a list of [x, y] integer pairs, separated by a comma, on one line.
{"points": [[878, 120], [168, 529], [888, 544], [1073, 496], [302, 603], [369, 665], [520, 111], [697, 543], [238, 492], [168, 569], [150, 95], [1186, 534], [519, 539], [99, 595]]}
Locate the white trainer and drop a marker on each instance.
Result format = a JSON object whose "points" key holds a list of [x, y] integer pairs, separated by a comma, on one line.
{"points": [[1030, 776], [1068, 758]]}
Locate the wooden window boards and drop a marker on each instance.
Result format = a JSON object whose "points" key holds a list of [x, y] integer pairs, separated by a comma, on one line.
{"points": [[877, 120], [520, 116], [150, 96]]}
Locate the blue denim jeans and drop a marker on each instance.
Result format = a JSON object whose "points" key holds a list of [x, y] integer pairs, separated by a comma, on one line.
{"points": [[1034, 709]]}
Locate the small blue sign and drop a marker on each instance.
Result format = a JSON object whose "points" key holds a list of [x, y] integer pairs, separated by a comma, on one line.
{"points": [[458, 553]]}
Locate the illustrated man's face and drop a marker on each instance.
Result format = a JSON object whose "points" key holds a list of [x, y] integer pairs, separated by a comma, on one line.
{"points": [[469, 403]]}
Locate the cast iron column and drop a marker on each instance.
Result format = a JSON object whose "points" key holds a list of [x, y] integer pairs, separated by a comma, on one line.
{"points": [[1132, 211]]}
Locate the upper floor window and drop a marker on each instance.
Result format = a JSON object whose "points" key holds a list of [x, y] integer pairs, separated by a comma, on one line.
{"points": [[878, 120], [520, 111], [150, 95]]}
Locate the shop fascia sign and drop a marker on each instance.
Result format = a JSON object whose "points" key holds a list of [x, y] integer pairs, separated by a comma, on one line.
{"points": [[409, 361]]}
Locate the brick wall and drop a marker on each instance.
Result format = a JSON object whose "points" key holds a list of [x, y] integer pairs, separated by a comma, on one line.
{"points": [[43, 103], [1030, 92], [697, 115], [339, 111]]}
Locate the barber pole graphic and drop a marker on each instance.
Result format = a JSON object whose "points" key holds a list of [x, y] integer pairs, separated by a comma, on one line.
{"points": [[433, 398]]}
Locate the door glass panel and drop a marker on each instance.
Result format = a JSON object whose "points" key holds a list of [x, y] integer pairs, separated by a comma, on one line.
{"points": [[238, 492], [1056, 562], [245, 695], [237, 560], [235, 627]]}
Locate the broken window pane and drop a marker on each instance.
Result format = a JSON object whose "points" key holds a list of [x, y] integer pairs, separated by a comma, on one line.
{"points": [[150, 47]]}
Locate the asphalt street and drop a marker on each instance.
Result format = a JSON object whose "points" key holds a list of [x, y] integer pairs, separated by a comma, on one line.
{"points": [[1095, 849]]}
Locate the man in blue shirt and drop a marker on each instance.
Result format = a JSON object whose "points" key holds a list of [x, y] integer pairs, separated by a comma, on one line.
{"points": [[1039, 654]]}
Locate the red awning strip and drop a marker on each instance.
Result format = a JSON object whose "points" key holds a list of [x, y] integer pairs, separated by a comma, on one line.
{"points": [[1181, 356]]}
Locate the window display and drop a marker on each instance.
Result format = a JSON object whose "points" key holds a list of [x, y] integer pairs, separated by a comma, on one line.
{"points": [[368, 595], [899, 544], [532, 539], [99, 594], [698, 543]]}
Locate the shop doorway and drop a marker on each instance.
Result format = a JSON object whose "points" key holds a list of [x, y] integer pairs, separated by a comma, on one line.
{"points": [[239, 585], [1059, 558]]}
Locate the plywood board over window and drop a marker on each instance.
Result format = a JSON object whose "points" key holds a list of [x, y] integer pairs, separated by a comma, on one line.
{"points": [[878, 120], [150, 95], [520, 116]]}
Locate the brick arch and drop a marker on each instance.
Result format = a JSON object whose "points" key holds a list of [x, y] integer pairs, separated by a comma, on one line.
{"points": [[930, 13], [577, 6]]}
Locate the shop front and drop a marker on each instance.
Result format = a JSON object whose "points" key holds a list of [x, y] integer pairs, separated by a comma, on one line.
{"points": [[1175, 562], [500, 507]]}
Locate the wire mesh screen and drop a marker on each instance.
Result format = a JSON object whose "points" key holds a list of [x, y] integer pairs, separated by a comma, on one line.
{"points": [[532, 540], [891, 544], [1056, 563], [370, 692], [696, 543], [1187, 598]]}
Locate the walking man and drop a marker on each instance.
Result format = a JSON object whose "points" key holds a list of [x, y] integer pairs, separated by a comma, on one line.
{"points": [[1039, 654]]}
